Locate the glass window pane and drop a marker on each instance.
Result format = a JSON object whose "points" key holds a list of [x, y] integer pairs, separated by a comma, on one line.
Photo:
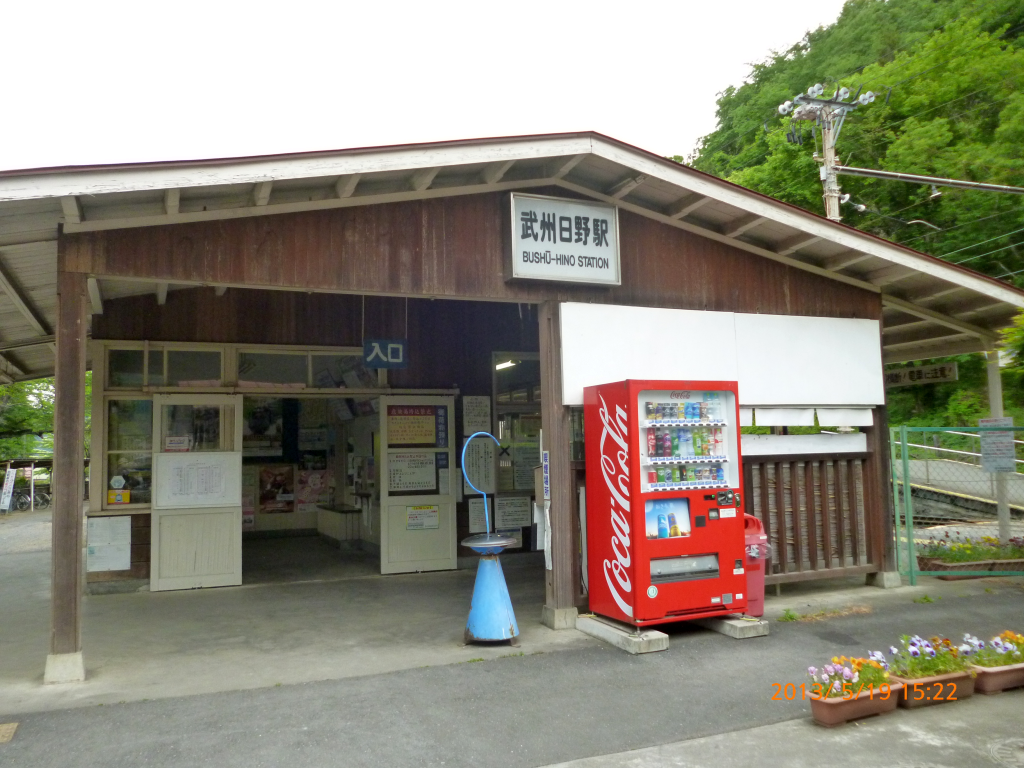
{"points": [[124, 368], [129, 478], [130, 425], [258, 369], [196, 428], [191, 368], [341, 371], [156, 368]]}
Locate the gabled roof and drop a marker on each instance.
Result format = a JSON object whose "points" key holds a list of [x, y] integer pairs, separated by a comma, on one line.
{"points": [[932, 307]]}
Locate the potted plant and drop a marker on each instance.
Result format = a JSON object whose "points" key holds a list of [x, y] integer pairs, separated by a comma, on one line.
{"points": [[999, 664], [984, 554], [849, 689], [932, 671]]}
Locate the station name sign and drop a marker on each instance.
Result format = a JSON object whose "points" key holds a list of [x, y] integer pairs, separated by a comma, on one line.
{"points": [[921, 374], [568, 241]]}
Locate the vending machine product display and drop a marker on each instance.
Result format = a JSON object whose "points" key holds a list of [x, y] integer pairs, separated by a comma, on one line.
{"points": [[665, 537]]}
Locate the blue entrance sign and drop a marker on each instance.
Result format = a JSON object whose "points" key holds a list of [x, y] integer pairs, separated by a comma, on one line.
{"points": [[386, 353]]}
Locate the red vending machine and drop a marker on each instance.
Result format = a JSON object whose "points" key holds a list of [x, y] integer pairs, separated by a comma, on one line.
{"points": [[665, 538]]}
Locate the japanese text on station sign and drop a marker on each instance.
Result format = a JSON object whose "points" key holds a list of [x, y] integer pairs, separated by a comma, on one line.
{"points": [[564, 240], [921, 374]]}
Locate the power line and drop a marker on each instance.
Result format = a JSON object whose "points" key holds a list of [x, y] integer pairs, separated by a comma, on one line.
{"points": [[963, 224], [989, 253], [966, 247]]}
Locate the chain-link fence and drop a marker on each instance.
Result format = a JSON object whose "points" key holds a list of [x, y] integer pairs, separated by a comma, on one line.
{"points": [[947, 504]]}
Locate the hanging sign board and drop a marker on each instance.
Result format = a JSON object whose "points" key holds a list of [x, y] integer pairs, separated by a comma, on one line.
{"points": [[997, 451], [5, 499], [386, 353], [422, 517], [108, 544], [920, 374], [568, 241]]}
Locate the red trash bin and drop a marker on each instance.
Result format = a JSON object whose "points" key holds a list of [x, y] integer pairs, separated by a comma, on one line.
{"points": [[758, 552]]}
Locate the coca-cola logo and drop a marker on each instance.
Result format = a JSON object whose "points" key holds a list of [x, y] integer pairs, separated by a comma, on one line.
{"points": [[615, 469], [679, 396]]}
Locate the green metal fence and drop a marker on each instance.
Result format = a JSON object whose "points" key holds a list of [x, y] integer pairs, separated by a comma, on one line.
{"points": [[938, 479]]}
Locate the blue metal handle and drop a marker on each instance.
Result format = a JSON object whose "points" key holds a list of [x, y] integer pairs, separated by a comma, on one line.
{"points": [[487, 519]]}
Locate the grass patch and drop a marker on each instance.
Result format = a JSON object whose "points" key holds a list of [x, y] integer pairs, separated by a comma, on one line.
{"points": [[788, 615], [835, 613], [473, 661], [923, 599]]}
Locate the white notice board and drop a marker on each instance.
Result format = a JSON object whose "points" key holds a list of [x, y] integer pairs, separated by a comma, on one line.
{"points": [[108, 543], [187, 480], [512, 512], [476, 414], [997, 449]]}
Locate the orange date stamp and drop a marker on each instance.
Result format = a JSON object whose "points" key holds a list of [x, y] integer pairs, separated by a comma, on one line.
{"points": [[795, 692]]}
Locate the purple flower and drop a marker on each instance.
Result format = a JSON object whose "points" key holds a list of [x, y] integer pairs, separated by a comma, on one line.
{"points": [[824, 677], [812, 671], [829, 669], [892, 650], [965, 648], [931, 652], [847, 674], [836, 686], [914, 651]]}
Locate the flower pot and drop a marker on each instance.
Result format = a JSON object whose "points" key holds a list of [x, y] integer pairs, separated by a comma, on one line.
{"points": [[936, 689], [950, 568], [1008, 565], [836, 711], [996, 679]]}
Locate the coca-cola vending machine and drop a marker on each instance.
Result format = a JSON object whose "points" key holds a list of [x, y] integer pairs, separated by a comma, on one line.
{"points": [[665, 539]]}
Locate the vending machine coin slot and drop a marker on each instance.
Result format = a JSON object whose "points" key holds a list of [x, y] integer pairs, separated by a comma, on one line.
{"points": [[712, 514]]}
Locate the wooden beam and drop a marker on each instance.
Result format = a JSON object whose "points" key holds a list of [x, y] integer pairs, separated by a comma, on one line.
{"points": [[21, 303], [936, 293], [495, 172], [172, 201], [68, 447], [939, 349], [560, 168], [220, 290], [742, 224], [914, 339], [38, 341], [795, 243], [888, 275], [626, 186], [684, 206], [423, 178], [11, 365], [72, 209], [560, 587], [346, 185], [929, 314], [95, 297], [843, 260], [161, 293], [892, 329], [261, 192]]}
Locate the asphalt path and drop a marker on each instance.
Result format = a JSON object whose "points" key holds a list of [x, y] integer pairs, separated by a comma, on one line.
{"points": [[515, 711]]}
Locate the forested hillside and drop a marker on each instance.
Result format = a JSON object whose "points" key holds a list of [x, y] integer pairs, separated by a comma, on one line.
{"points": [[949, 75]]}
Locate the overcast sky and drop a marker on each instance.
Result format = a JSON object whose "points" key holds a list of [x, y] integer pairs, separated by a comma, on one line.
{"points": [[102, 82]]}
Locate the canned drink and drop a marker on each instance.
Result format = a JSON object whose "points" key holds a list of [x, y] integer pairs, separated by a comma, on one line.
{"points": [[661, 474], [675, 442], [659, 412], [649, 410], [673, 526], [676, 475], [662, 526], [652, 439], [652, 477]]}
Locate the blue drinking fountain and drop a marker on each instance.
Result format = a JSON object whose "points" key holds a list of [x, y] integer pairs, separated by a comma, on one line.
{"points": [[491, 617]]}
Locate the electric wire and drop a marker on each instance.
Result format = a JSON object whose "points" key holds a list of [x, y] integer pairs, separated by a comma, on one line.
{"points": [[974, 245], [989, 253], [962, 224]]}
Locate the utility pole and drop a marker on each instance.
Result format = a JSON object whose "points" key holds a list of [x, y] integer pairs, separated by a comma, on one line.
{"points": [[829, 114]]}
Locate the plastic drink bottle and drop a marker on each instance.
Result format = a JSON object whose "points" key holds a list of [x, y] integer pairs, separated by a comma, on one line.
{"points": [[662, 526]]}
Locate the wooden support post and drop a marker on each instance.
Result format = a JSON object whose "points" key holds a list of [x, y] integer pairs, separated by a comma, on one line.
{"points": [[64, 664], [559, 604], [995, 410]]}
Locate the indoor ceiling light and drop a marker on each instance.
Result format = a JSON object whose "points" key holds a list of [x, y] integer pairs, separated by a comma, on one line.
{"points": [[506, 364]]}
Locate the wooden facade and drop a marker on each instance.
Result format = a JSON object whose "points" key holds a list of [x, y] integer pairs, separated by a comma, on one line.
{"points": [[423, 270]]}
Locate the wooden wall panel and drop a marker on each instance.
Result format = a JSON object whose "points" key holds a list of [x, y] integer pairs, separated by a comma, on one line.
{"points": [[452, 247]]}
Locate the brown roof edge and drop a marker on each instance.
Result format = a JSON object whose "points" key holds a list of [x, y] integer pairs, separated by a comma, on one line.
{"points": [[491, 140]]}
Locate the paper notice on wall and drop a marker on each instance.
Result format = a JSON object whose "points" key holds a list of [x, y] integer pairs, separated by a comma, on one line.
{"points": [[997, 448], [525, 457], [412, 471], [443, 484], [109, 543], [511, 511], [313, 439], [480, 466], [312, 490], [476, 415], [422, 518], [477, 521], [412, 425]]}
